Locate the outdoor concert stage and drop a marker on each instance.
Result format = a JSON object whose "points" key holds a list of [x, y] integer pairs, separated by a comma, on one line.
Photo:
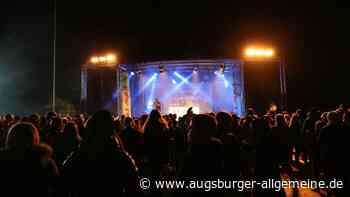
{"points": [[205, 85]]}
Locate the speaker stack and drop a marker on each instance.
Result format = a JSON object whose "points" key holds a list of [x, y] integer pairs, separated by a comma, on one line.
{"points": [[99, 85]]}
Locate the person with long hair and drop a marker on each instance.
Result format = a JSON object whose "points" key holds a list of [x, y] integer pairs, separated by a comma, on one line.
{"points": [[205, 151], [67, 142], [155, 140], [334, 147], [100, 166], [281, 140], [133, 140], [231, 148], [25, 164]]}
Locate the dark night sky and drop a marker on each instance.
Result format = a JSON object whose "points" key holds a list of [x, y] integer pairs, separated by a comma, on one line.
{"points": [[312, 36]]}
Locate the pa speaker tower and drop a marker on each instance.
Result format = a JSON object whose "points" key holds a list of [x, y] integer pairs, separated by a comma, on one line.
{"points": [[99, 85]]}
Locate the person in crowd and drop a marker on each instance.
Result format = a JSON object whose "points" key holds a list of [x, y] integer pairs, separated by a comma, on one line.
{"points": [[16, 119], [231, 147], [155, 140], [2, 132], [281, 139], [35, 120], [205, 157], [118, 127], [133, 140], [80, 121], [103, 155], [25, 164], [346, 119], [137, 125], [100, 166], [267, 163], [286, 117], [319, 124], [295, 136], [54, 130], [67, 142], [143, 119], [333, 147], [308, 132]]}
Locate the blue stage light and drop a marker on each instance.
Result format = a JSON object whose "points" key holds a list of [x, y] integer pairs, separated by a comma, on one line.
{"points": [[177, 87], [222, 76], [147, 83], [174, 82], [226, 83], [152, 92], [185, 80], [132, 74]]}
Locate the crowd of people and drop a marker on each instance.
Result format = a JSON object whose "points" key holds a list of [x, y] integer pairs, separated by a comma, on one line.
{"points": [[54, 155]]}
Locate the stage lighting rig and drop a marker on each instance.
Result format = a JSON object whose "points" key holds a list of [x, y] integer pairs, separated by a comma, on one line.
{"points": [[161, 68], [105, 59]]}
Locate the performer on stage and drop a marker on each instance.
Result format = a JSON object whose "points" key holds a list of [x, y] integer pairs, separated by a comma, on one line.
{"points": [[157, 105]]}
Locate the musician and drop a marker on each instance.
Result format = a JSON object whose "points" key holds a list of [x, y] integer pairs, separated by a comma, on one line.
{"points": [[157, 105]]}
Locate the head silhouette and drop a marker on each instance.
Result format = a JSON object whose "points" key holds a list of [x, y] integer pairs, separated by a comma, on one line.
{"points": [[153, 119], [280, 120], [71, 132], [22, 136], [333, 117], [100, 126], [129, 122], [203, 128], [225, 123]]}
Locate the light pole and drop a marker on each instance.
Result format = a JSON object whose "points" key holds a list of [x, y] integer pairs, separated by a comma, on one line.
{"points": [[54, 60], [260, 54]]}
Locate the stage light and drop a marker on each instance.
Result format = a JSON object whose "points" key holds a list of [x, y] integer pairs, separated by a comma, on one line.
{"points": [[259, 52], [250, 52], [226, 83], [151, 96], [149, 81], [269, 52], [132, 74], [102, 59], [110, 58], [177, 87], [149, 105], [161, 68], [183, 79], [94, 60], [174, 82]]}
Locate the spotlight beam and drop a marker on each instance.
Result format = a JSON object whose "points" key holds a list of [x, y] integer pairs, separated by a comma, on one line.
{"points": [[185, 80], [151, 96], [177, 86], [148, 82]]}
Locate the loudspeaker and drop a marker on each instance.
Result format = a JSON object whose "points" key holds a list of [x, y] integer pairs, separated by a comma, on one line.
{"points": [[99, 89]]}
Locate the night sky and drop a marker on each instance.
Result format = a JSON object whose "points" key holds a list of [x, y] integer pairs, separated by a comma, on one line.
{"points": [[313, 37]]}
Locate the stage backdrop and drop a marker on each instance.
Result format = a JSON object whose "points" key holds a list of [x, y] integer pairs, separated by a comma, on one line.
{"points": [[204, 85]]}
